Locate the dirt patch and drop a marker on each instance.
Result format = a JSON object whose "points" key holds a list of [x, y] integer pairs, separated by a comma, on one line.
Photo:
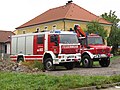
{"points": [[6, 65]]}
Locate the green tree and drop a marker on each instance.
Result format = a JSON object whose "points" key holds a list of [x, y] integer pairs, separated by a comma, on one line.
{"points": [[111, 17], [95, 27], [114, 37]]}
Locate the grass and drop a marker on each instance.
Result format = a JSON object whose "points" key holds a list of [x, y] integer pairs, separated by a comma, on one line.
{"points": [[115, 57], [27, 81], [22, 81], [34, 64]]}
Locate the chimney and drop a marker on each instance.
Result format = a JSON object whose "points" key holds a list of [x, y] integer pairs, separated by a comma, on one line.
{"points": [[69, 2]]}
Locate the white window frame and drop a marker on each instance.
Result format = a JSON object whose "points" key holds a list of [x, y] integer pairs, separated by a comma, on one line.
{"points": [[54, 28], [38, 29], [77, 24], [45, 27], [24, 31]]}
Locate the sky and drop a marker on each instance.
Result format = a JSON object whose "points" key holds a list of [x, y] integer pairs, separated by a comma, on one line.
{"points": [[14, 13]]}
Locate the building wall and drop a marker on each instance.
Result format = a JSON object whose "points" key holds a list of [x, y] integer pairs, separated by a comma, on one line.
{"points": [[31, 29], [2, 48], [71, 24], [15, 32], [61, 25], [108, 28]]}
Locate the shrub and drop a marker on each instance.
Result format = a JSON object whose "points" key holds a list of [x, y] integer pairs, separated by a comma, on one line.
{"points": [[34, 64], [38, 65]]}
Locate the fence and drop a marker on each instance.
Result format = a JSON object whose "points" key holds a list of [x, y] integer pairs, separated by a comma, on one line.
{"points": [[4, 56]]}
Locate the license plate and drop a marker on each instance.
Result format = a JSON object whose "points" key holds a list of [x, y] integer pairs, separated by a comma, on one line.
{"points": [[103, 55], [70, 56]]}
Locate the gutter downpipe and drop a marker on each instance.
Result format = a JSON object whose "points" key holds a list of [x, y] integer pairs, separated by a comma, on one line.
{"points": [[64, 23]]}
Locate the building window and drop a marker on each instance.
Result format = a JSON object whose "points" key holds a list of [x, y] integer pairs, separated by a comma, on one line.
{"points": [[24, 31], [46, 27], [54, 27], [77, 24], [38, 29]]}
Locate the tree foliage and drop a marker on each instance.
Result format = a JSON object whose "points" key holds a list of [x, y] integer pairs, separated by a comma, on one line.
{"points": [[111, 17], [114, 37], [95, 27]]}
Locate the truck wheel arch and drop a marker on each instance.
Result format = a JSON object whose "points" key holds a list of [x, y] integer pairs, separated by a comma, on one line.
{"points": [[87, 62], [20, 58], [48, 61], [48, 54], [88, 53]]}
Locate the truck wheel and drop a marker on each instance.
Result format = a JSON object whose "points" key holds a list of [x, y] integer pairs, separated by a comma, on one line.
{"points": [[104, 62], [20, 59], [48, 64], [69, 66], [77, 64], [86, 61]]}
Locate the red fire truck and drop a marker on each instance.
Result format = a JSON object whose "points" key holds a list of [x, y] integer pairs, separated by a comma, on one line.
{"points": [[92, 49], [51, 48]]}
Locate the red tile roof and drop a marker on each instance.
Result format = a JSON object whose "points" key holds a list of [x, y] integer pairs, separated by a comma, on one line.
{"points": [[4, 36], [69, 11]]}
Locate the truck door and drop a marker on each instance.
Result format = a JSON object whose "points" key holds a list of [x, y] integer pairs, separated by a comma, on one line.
{"points": [[39, 44], [53, 43]]}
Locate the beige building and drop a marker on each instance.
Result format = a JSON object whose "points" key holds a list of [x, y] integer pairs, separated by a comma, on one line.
{"points": [[63, 18]]}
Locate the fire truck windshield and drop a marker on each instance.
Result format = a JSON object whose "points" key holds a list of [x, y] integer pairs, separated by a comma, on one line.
{"points": [[68, 39], [95, 40]]}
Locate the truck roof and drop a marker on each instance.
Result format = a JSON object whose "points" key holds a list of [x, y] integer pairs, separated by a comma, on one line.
{"points": [[93, 35], [49, 32]]}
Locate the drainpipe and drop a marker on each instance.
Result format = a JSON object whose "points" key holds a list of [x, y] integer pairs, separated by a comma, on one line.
{"points": [[64, 23]]}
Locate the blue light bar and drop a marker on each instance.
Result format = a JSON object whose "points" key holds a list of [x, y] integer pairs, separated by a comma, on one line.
{"points": [[57, 31]]}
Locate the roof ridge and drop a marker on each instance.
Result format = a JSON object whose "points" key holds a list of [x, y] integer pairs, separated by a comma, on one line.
{"points": [[67, 12], [97, 17], [69, 9], [86, 10]]}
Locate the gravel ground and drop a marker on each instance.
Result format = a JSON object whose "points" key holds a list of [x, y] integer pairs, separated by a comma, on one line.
{"points": [[113, 69]]}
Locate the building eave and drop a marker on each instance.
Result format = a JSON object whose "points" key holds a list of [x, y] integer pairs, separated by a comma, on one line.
{"points": [[59, 20]]}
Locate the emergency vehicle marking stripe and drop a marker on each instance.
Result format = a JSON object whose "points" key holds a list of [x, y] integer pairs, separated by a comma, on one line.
{"points": [[87, 49], [35, 57]]}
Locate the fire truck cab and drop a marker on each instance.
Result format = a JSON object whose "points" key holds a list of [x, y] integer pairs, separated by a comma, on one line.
{"points": [[92, 49], [51, 48]]}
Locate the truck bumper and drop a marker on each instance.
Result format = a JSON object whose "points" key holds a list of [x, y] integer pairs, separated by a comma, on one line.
{"points": [[100, 56], [63, 58], [103, 55]]}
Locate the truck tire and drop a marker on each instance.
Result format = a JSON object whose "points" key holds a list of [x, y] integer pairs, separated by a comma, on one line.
{"points": [[86, 61], [20, 59], [105, 62], [48, 64], [69, 65]]}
